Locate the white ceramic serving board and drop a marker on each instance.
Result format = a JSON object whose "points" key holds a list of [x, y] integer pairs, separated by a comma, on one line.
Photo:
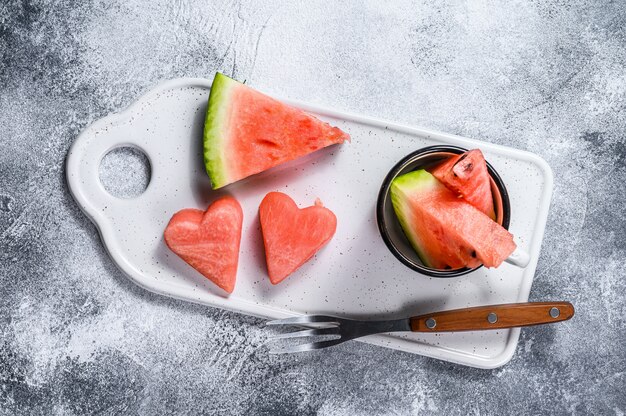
{"points": [[355, 275]]}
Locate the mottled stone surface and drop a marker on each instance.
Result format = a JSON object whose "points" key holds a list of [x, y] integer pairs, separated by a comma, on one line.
{"points": [[78, 338]]}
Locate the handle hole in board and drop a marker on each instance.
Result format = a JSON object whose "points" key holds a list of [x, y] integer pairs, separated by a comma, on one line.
{"points": [[125, 172]]}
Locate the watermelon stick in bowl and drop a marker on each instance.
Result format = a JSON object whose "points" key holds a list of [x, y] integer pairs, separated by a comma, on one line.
{"points": [[444, 211]]}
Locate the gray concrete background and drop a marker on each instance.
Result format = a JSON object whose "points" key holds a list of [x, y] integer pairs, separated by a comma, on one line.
{"points": [[78, 338]]}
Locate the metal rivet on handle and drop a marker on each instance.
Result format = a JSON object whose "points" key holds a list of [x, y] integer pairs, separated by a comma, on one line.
{"points": [[555, 312], [492, 318], [431, 323]]}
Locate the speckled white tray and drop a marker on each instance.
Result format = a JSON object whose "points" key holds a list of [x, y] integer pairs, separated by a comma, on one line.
{"points": [[355, 275]]}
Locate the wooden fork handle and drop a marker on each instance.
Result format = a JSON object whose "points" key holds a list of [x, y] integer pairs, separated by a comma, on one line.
{"points": [[493, 317]]}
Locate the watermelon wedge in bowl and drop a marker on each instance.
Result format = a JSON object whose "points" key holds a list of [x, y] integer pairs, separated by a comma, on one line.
{"points": [[441, 247], [466, 175]]}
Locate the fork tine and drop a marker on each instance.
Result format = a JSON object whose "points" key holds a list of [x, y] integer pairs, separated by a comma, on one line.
{"points": [[306, 319], [307, 347], [333, 330]]}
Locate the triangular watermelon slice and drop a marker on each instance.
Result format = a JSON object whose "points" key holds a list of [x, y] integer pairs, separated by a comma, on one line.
{"points": [[446, 231], [209, 240], [467, 175], [291, 235], [247, 132]]}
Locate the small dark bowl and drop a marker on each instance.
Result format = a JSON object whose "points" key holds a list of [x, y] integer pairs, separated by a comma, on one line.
{"points": [[388, 223]]}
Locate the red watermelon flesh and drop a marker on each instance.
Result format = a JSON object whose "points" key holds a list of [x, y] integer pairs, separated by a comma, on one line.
{"points": [[446, 231], [209, 240], [247, 132], [467, 175], [291, 235]]}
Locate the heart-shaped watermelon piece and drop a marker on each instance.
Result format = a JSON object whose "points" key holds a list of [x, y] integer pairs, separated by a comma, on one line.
{"points": [[209, 240], [291, 235]]}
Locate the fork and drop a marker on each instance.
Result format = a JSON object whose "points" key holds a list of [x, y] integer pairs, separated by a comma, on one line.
{"points": [[467, 319]]}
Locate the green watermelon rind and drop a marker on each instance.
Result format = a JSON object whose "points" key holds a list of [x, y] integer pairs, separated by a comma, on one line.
{"points": [[401, 187], [218, 113]]}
